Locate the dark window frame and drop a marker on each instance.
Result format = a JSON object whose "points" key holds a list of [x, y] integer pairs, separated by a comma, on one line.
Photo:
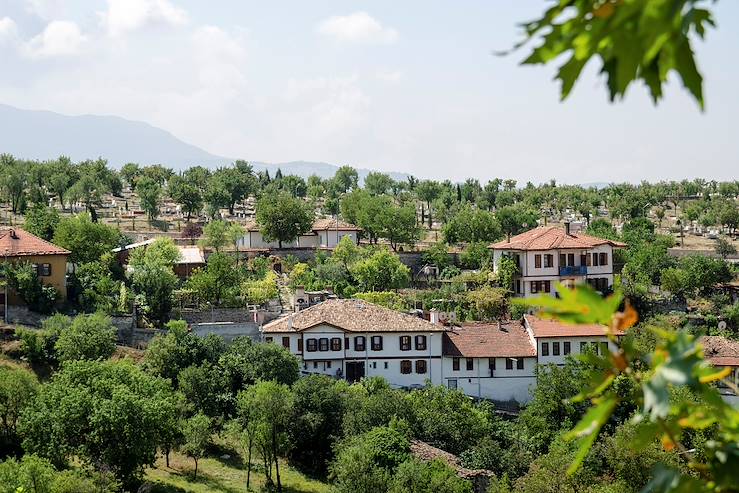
{"points": [[323, 344], [421, 366], [405, 343], [455, 364], [376, 343], [545, 349], [519, 364], [311, 345], [406, 366], [537, 261], [469, 364], [336, 344], [286, 342], [360, 343], [420, 343], [566, 348], [509, 363], [555, 348]]}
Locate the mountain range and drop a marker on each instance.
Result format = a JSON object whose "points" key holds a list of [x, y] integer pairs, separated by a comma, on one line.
{"points": [[42, 135]]}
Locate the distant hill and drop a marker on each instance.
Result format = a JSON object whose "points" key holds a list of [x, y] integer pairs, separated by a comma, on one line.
{"points": [[31, 134]]}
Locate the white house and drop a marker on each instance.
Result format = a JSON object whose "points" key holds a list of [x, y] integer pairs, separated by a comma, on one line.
{"points": [[554, 340], [492, 361], [353, 338], [550, 254], [325, 233]]}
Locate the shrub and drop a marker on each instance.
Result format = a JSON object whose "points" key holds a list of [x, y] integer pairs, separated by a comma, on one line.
{"points": [[89, 337]]}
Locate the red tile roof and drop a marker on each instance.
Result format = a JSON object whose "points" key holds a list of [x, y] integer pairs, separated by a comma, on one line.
{"points": [[551, 237], [720, 351], [352, 316], [480, 340], [16, 242], [321, 224], [554, 328]]}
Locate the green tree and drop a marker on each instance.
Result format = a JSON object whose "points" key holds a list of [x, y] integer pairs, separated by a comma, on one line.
{"points": [[42, 221], [86, 240], [377, 183], [105, 414], [217, 282], [244, 363], [381, 271], [149, 192], [187, 194], [489, 303], [427, 477], [89, 337], [18, 388], [346, 178], [23, 279], [398, 226], [724, 248], [471, 226], [131, 172], [196, 431], [514, 220], [282, 217]]}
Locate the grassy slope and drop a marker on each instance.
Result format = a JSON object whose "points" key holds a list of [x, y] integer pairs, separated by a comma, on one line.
{"points": [[222, 475]]}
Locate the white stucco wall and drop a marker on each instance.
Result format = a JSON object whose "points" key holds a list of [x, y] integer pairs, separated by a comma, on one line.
{"points": [[502, 385], [574, 347]]}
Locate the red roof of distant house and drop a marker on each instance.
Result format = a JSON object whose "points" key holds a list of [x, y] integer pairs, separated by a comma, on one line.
{"points": [[16, 242], [554, 328], [489, 340], [551, 237], [720, 351]]}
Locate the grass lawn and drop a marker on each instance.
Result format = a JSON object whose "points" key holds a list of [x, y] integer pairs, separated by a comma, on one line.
{"points": [[222, 475]]}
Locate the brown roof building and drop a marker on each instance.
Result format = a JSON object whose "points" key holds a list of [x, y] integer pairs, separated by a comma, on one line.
{"points": [[554, 328], [551, 238], [493, 340], [18, 245], [352, 316]]}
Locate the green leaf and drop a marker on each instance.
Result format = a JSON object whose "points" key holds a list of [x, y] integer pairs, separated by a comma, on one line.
{"points": [[588, 428], [685, 65], [667, 480]]}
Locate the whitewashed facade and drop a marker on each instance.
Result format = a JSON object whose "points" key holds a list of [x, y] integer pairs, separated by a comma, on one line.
{"points": [[325, 233]]}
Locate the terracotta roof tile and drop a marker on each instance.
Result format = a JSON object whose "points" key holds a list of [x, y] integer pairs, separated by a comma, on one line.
{"points": [[551, 237], [427, 452], [510, 339], [352, 316], [16, 242], [720, 351], [554, 328]]}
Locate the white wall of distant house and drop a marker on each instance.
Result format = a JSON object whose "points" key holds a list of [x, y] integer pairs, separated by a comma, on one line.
{"points": [[574, 347], [501, 384]]}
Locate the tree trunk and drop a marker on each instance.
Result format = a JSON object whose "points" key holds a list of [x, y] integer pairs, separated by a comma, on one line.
{"points": [[248, 466], [279, 244], [166, 456], [277, 462], [195, 476]]}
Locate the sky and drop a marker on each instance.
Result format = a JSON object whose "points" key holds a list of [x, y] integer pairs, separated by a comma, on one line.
{"points": [[409, 86]]}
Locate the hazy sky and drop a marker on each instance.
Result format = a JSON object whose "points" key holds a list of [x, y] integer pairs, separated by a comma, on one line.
{"points": [[409, 86]]}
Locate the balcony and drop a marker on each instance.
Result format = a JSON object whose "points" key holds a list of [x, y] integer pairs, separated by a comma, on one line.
{"points": [[573, 270]]}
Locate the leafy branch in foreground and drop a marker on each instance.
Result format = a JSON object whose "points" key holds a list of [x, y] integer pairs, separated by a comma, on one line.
{"points": [[677, 360], [635, 40]]}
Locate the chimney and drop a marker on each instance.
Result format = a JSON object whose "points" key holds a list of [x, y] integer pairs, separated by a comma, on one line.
{"points": [[13, 234], [567, 228], [434, 316]]}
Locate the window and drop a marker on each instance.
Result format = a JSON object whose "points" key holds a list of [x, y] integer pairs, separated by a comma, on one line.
{"points": [[386, 365], [562, 260], [323, 344], [603, 348], [315, 363], [44, 270], [534, 286], [518, 286], [537, 261], [346, 343], [405, 343], [420, 343], [374, 364], [595, 259], [519, 364], [455, 364], [603, 258], [328, 364], [491, 364], [359, 343], [469, 364], [547, 286], [311, 345], [336, 344], [548, 260], [545, 349], [583, 259], [286, 342], [555, 349], [571, 259], [268, 339], [509, 363], [566, 347], [405, 366], [300, 345], [376, 343], [452, 383], [421, 366]]}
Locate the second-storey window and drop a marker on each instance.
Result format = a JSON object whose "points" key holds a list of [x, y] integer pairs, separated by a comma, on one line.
{"points": [[44, 270], [509, 363], [455, 364], [555, 349], [519, 364], [595, 259], [545, 349], [376, 343], [286, 342], [405, 366], [548, 260], [323, 344], [336, 344], [311, 345], [566, 347], [603, 258], [470, 364], [420, 343], [359, 343], [537, 261], [421, 366], [405, 343], [300, 345]]}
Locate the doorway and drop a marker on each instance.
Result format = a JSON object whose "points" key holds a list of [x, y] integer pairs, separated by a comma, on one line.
{"points": [[354, 371]]}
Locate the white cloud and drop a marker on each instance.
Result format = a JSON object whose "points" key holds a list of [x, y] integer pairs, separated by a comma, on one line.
{"points": [[359, 27], [45, 9], [389, 76], [124, 16], [8, 30], [59, 38]]}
